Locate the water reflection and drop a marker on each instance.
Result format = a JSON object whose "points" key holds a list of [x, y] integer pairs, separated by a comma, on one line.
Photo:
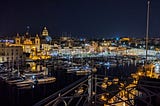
{"points": [[34, 67]]}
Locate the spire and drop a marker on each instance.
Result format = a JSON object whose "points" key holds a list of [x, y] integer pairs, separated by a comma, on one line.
{"points": [[37, 36], [17, 39], [17, 34]]}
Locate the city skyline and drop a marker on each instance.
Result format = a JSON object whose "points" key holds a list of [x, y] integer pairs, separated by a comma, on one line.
{"points": [[105, 18]]}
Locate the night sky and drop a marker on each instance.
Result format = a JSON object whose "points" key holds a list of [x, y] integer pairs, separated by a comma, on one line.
{"points": [[90, 18]]}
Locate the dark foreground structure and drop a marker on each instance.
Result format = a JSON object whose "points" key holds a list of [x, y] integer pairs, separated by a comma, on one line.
{"points": [[94, 90]]}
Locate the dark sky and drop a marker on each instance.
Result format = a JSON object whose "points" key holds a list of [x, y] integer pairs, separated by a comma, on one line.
{"points": [[94, 18]]}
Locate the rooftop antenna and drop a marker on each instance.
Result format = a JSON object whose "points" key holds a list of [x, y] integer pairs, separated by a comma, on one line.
{"points": [[147, 30]]}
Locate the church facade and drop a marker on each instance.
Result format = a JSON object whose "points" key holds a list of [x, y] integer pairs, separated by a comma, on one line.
{"points": [[35, 45]]}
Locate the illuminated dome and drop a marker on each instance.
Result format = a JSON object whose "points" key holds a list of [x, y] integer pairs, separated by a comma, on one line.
{"points": [[45, 38], [45, 32]]}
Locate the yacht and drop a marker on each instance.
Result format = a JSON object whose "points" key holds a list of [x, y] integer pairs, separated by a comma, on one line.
{"points": [[111, 63], [73, 69], [84, 70]]}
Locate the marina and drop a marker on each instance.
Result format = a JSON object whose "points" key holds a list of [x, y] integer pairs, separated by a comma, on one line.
{"points": [[79, 53], [58, 79]]}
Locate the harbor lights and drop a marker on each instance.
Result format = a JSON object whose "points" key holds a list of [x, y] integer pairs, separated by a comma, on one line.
{"points": [[103, 97], [104, 83], [79, 91]]}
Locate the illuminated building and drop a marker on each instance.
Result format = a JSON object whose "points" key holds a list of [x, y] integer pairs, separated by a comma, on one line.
{"points": [[39, 42], [10, 53], [125, 39], [37, 46], [27, 42], [45, 42]]}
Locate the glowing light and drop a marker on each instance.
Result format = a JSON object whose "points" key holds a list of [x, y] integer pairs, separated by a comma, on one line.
{"points": [[105, 79], [157, 68], [139, 73], [80, 90], [48, 39], [103, 98], [33, 68], [33, 77], [107, 64], [104, 85], [117, 38]]}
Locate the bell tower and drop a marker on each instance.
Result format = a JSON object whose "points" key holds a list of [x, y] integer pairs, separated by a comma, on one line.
{"points": [[37, 40], [18, 39]]}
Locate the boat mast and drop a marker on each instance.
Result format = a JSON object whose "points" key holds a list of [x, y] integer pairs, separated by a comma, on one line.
{"points": [[147, 30]]}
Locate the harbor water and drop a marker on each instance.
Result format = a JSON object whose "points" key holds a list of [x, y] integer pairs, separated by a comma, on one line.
{"points": [[11, 95]]}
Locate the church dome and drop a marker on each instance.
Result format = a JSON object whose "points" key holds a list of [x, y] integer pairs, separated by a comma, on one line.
{"points": [[45, 32], [45, 38]]}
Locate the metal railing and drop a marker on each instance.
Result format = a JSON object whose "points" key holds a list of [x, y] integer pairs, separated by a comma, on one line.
{"points": [[94, 90]]}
